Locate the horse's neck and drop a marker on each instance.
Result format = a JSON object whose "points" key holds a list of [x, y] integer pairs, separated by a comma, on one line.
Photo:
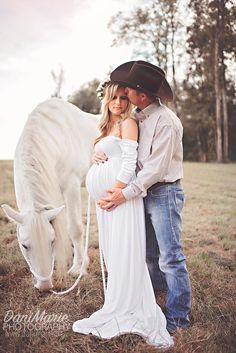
{"points": [[53, 126], [36, 182]]}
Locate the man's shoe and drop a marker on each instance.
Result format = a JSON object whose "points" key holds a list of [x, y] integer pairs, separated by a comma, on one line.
{"points": [[161, 298], [177, 333]]}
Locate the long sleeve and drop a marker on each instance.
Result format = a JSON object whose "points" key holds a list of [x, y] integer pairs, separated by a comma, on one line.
{"points": [[157, 164], [129, 159]]}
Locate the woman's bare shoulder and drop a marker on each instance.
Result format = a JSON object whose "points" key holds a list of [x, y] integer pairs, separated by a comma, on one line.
{"points": [[129, 122], [129, 129]]}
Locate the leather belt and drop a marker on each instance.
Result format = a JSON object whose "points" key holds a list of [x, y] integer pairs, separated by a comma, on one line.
{"points": [[156, 185]]}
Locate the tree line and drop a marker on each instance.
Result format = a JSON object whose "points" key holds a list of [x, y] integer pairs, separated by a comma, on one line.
{"points": [[195, 43]]}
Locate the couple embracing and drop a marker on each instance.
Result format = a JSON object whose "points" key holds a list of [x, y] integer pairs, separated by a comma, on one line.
{"points": [[135, 181]]}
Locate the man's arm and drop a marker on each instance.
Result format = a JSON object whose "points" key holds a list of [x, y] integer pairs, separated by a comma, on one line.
{"points": [[154, 169], [157, 164]]}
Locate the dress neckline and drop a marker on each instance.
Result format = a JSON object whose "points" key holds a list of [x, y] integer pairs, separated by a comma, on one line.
{"points": [[121, 139], [116, 137]]}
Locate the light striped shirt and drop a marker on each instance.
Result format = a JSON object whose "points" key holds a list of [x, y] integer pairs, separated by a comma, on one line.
{"points": [[160, 150]]}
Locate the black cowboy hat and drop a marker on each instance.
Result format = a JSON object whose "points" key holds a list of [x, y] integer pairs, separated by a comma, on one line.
{"points": [[144, 77]]}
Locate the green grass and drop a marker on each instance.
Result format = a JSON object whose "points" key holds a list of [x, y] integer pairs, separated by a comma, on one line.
{"points": [[209, 237], [209, 217]]}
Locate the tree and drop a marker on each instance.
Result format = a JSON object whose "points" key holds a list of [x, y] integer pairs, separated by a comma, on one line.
{"points": [[211, 44], [198, 120], [86, 97], [155, 30], [204, 93]]}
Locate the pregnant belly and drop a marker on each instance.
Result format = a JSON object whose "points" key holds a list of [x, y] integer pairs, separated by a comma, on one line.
{"points": [[101, 177]]}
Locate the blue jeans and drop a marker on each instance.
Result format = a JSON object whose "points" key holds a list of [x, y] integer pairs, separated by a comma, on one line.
{"points": [[165, 259]]}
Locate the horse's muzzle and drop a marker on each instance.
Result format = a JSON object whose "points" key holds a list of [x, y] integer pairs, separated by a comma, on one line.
{"points": [[44, 286]]}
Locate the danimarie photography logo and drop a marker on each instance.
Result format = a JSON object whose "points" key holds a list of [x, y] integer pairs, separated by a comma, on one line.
{"points": [[35, 323]]}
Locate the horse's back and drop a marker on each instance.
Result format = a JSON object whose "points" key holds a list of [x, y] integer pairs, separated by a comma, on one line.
{"points": [[61, 131], [57, 140]]}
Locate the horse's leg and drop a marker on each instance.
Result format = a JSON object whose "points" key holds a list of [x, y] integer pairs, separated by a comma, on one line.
{"points": [[72, 196]]}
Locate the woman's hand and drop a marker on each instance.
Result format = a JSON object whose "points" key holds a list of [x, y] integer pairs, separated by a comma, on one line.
{"points": [[114, 199], [102, 203], [99, 157]]}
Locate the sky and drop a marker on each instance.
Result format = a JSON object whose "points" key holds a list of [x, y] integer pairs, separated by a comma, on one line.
{"points": [[37, 37]]}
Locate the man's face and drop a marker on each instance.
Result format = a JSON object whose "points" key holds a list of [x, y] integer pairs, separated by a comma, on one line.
{"points": [[132, 95]]}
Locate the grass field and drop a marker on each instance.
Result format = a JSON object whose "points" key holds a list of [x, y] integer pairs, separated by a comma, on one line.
{"points": [[209, 238]]}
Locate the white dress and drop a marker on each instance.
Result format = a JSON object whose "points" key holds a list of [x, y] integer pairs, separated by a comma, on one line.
{"points": [[130, 305]]}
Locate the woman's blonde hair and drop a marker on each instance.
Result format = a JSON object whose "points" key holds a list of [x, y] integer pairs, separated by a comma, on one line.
{"points": [[105, 122]]}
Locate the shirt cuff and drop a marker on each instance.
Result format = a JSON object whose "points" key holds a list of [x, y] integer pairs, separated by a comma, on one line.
{"points": [[131, 191]]}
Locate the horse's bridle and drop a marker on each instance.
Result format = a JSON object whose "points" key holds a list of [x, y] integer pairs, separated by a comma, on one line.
{"points": [[35, 274], [42, 278]]}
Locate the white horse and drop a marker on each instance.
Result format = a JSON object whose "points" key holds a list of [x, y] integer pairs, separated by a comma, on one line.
{"points": [[51, 160]]}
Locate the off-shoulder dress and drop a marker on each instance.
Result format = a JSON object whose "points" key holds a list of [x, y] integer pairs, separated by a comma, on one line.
{"points": [[130, 305]]}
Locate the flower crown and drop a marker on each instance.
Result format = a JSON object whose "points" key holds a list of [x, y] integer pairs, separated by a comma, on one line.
{"points": [[101, 88]]}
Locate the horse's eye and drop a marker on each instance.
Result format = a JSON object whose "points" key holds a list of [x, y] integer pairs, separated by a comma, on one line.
{"points": [[24, 246]]}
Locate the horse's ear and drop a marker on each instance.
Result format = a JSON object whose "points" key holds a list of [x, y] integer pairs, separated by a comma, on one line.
{"points": [[51, 214], [12, 214]]}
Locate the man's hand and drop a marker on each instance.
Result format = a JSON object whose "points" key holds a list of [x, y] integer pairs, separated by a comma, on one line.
{"points": [[99, 157], [114, 199]]}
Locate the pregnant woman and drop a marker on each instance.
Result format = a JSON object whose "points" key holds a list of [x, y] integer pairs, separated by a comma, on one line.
{"points": [[130, 305]]}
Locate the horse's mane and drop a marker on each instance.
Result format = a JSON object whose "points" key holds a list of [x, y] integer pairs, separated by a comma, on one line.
{"points": [[38, 176], [45, 138], [45, 149]]}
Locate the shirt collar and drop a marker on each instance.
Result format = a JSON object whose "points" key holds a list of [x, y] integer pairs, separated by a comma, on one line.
{"points": [[146, 112]]}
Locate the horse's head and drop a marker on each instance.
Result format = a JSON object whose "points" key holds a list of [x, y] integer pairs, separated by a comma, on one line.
{"points": [[36, 237]]}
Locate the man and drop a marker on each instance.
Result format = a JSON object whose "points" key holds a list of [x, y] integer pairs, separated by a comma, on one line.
{"points": [[160, 164]]}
